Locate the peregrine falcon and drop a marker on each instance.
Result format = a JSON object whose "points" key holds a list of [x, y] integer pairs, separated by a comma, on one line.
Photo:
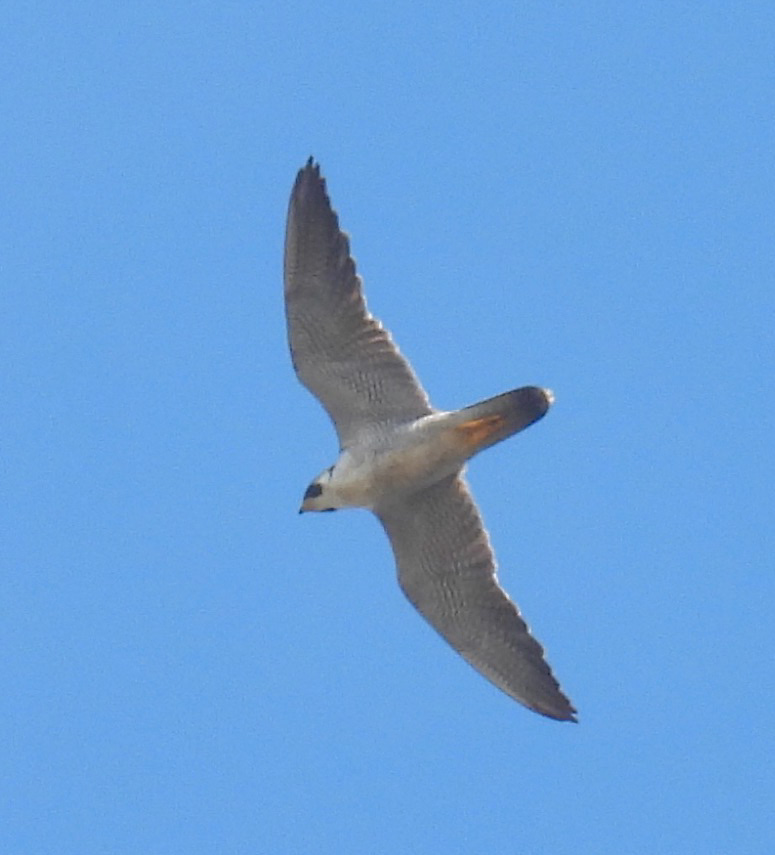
{"points": [[404, 459]]}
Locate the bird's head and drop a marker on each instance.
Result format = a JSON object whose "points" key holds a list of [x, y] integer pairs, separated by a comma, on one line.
{"points": [[317, 497]]}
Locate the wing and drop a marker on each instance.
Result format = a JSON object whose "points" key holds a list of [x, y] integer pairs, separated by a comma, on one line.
{"points": [[341, 353], [446, 568]]}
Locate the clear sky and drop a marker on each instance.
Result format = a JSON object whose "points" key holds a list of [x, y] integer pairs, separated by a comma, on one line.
{"points": [[576, 195]]}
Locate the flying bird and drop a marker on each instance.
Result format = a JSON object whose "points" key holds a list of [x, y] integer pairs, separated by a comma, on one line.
{"points": [[403, 459]]}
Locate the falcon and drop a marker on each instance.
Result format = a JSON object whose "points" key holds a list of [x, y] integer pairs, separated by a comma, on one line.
{"points": [[404, 459]]}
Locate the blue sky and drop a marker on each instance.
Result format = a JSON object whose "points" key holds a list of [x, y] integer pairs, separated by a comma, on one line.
{"points": [[573, 195]]}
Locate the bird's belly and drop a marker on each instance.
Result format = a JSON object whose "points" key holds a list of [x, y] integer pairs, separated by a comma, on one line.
{"points": [[381, 476]]}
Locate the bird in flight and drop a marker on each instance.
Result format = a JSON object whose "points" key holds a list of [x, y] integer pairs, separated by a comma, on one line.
{"points": [[403, 459]]}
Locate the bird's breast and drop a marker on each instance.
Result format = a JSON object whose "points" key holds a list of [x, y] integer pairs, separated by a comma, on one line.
{"points": [[368, 476]]}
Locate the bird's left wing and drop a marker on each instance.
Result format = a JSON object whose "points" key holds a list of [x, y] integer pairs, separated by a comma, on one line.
{"points": [[446, 568], [341, 353]]}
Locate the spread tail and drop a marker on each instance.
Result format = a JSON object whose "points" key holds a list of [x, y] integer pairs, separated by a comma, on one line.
{"points": [[481, 425]]}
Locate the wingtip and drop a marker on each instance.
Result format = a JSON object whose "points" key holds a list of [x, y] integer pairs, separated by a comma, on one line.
{"points": [[311, 167], [309, 189], [308, 178], [569, 713]]}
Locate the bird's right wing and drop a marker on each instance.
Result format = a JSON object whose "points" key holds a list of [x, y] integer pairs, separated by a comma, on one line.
{"points": [[446, 568], [341, 353]]}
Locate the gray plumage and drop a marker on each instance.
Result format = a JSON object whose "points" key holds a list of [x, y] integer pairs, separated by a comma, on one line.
{"points": [[403, 459], [341, 353]]}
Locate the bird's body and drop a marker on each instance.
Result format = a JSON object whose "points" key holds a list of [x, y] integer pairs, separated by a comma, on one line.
{"points": [[404, 460], [381, 468]]}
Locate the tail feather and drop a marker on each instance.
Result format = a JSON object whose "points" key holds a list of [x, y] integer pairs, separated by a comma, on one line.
{"points": [[482, 425]]}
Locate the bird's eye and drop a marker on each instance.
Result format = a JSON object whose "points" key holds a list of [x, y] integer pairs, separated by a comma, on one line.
{"points": [[313, 491]]}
